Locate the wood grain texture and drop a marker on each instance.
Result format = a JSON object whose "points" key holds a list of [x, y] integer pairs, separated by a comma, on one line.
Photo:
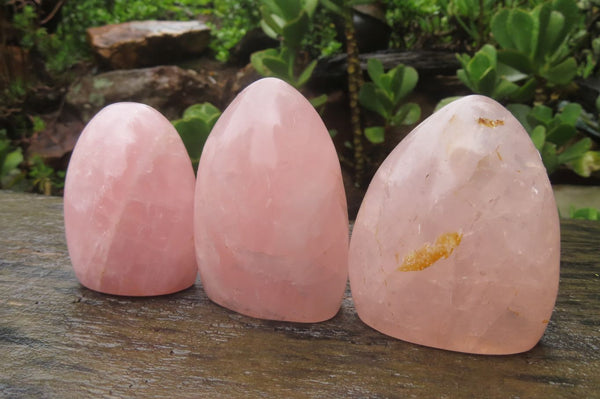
{"points": [[61, 340]]}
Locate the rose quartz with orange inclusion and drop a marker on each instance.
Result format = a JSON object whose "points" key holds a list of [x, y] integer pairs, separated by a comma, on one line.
{"points": [[128, 204], [271, 225], [457, 242]]}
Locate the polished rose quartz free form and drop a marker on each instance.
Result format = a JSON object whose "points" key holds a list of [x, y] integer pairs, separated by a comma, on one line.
{"points": [[457, 243], [128, 204], [271, 225]]}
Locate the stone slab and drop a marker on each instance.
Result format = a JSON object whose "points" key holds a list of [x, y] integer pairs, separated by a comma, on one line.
{"points": [[167, 88], [138, 44]]}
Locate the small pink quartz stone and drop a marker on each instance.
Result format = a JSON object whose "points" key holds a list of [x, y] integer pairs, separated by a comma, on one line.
{"points": [[271, 225], [457, 242], [128, 204]]}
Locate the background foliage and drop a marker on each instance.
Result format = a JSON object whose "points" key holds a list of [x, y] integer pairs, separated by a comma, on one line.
{"points": [[528, 54]]}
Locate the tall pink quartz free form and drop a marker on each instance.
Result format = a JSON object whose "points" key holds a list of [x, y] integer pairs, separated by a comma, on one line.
{"points": [[271, 225], [457, 244], [128, 204]]}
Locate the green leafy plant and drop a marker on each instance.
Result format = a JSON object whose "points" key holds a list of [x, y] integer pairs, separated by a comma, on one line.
{"points": [[385, 95], [584, 213], [586, 164], [194, 128], [322, 37], [10, 159], [473, 16], [280, 63], [43, 177], [554, 135], [288, 21], [484, 75], [68, 44], [234, 18], [536, 42], [587, 39], [414, 22], [343, 9]]}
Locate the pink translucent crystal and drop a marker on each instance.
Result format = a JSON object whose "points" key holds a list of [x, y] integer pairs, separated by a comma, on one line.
{"points": [[128, 204], [457, 242], [271, 226]]}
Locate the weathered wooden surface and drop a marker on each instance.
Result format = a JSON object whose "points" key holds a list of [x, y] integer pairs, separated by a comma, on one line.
{"points": [[426, 62], [60, 340]]}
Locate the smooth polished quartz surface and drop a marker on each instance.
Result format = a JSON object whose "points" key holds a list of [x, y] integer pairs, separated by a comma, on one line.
{"points": [[457, 243], [128, 204], [271, 225]]}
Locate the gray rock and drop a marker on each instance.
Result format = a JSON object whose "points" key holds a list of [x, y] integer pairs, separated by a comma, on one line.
{"points": [[169, 89], [146, 43]]}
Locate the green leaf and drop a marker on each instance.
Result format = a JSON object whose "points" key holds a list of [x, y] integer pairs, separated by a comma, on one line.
{"points": [[522, 27], [540, 114], [584, 213], [464, 78], [318, 101], [193, 133], [375, 100], [538, 136], [310, 6], [404, 80], [487, 83], [504, 89], [500, 30], [549, 157], [11, 161], [203, 111], [274, 21], [257, 60], [570, 113], [4, 149], [385, 83], [289, 57], [509, 73], [562, 73], [490, 53], [570, 11], [271, 6], [333, 6], [295, 30], [587, 163], [268, 30], [561, 134], [521, 111], [445, 101], [306, 74], [375, 134], [375, 69], [464, 59], [277, 67], [479, 65], [287, 9], [407, 114], [551, 34], [516, 60], [575, 151], [525, 92], [212, 120]]}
